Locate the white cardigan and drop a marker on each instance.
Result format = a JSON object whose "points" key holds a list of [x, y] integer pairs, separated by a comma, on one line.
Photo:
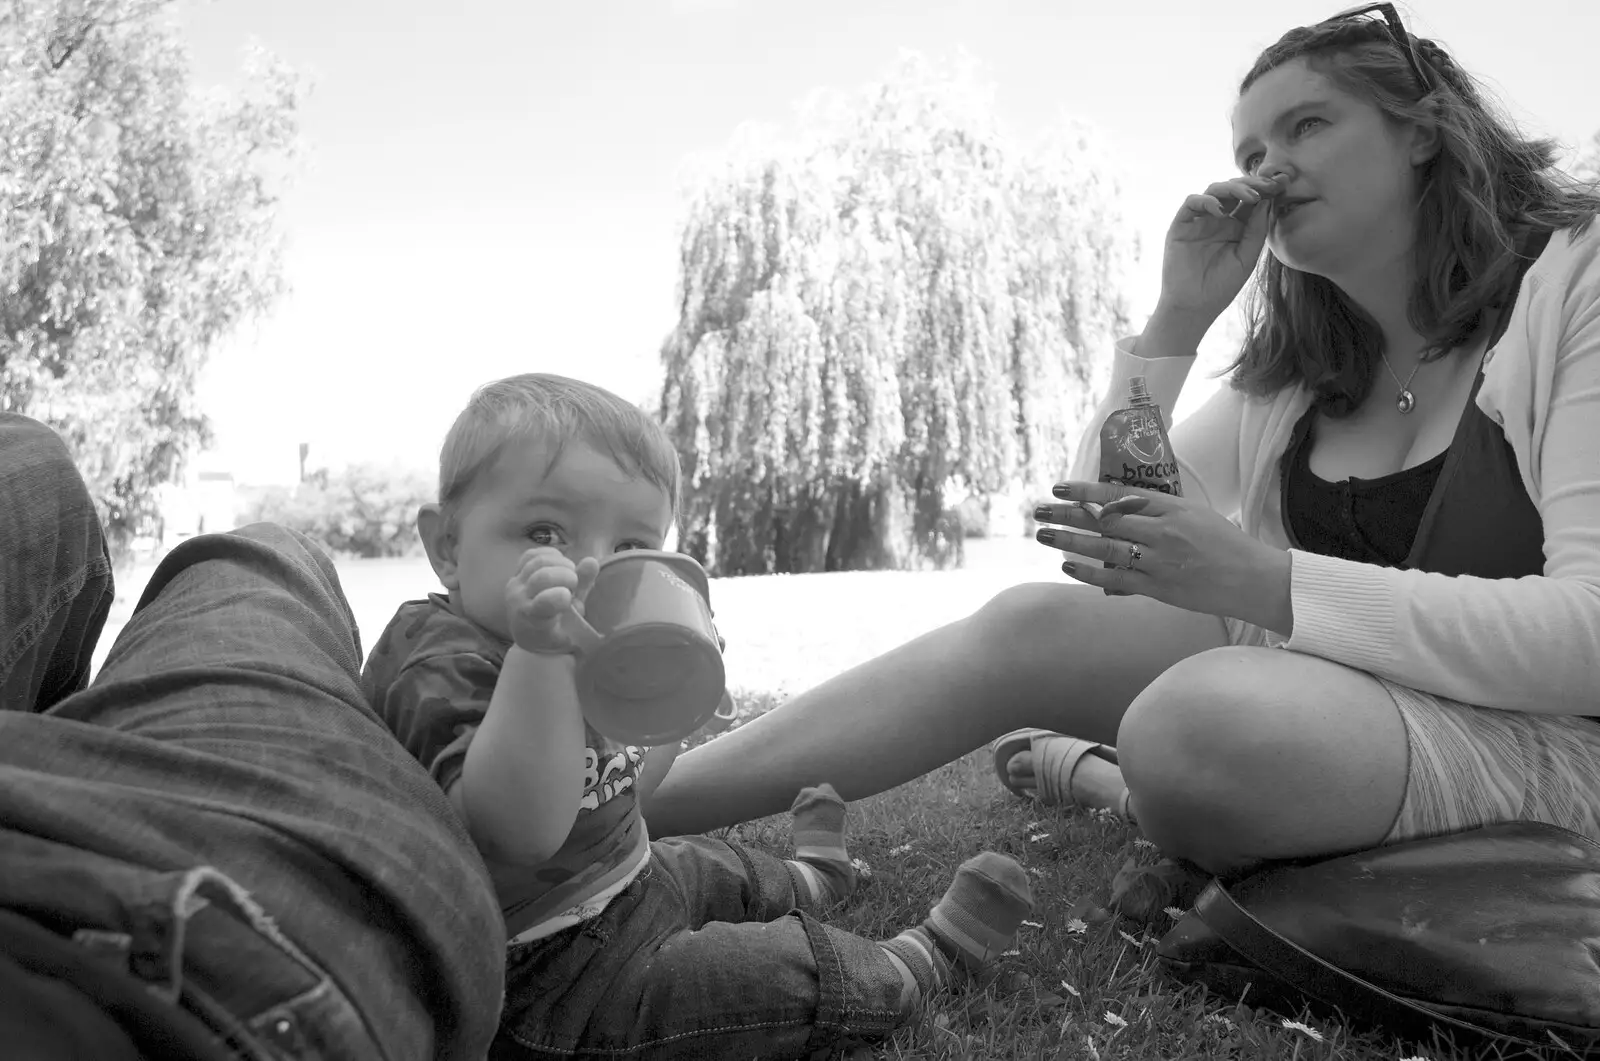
{"points": [[1529, 644]]}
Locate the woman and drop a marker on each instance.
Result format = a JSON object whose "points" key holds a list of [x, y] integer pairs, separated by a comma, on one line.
{"points": [[1400, 639]]}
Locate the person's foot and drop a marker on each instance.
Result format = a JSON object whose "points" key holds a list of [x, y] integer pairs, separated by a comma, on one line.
{"points": [[975, 922], [1075, 773], [820, 858]]}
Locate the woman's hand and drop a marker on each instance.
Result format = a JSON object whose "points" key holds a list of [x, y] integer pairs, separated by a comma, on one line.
{"points": [[1174, 549], [1209, 253]]}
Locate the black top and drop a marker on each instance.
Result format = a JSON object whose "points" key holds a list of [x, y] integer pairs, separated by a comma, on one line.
{"points": [[1371, 521], [1464, 512]]}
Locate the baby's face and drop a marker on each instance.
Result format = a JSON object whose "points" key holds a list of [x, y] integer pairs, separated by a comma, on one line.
{"points": [[585, 505]]}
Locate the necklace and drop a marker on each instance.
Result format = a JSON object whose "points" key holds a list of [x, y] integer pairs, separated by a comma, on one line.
{"points": [[1405, 401]]}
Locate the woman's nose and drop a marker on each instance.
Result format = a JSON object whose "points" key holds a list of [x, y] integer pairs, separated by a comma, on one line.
{"points": [[1275, 169]]}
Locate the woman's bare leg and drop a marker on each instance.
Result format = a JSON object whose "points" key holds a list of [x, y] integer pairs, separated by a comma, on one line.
{"points": [[1242, 755], [1058, 656]]}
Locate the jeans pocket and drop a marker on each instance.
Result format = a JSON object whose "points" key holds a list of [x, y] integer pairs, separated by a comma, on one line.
{"points": [[197, 939]]}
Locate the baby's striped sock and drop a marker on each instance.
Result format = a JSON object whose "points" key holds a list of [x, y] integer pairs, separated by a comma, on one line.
{"points": [[975, 922], [819, 855]]}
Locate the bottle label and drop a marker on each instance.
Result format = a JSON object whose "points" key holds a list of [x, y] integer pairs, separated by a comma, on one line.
{"points": [[1134, 451]]}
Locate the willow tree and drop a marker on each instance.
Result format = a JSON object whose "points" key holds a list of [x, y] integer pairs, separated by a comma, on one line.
{"points": [[894, 307], [137, 229]]}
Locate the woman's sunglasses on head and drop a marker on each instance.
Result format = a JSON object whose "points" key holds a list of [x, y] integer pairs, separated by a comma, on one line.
{"points": [[1386, 16]]}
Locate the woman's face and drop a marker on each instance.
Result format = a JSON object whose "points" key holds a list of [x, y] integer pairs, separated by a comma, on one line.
{"points": [[1350, 199]]}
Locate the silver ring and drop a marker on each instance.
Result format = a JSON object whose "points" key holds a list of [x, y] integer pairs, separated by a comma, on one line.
{"points": [[1135, 554]]}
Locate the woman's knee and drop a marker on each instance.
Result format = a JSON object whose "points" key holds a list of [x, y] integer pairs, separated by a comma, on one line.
{"points": [[1043, 637], [1075, 658], [1188, 746], [1019, 608], [1240, 753], [1017, 623], [1195, 721], [1066, 625]]}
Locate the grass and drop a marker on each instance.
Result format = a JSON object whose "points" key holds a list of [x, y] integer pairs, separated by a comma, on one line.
{"points": [[1111, 1000], [789, 632]]}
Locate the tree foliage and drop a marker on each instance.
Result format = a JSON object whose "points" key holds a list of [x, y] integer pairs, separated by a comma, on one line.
{"points": [[137, 228], [899, 305], [359, 511]]}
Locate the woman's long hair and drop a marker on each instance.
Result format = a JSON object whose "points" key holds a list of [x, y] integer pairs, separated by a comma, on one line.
{"points": [[1486, 191]]}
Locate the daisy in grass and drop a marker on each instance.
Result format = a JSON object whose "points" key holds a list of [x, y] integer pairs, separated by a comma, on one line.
{"points": [[1304, 1029]]}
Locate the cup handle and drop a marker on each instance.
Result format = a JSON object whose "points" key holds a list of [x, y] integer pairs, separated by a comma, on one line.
{"points": [[726, 714], [584, 636]]}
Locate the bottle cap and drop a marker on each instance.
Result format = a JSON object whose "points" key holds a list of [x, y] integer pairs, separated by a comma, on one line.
{"points": [[1138, 391]]}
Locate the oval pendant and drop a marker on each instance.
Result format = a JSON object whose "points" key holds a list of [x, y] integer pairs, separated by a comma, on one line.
{"points": [[1405, 402]]}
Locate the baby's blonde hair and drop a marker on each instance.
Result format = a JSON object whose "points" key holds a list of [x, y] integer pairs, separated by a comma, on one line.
{"points": [[556, 410]]}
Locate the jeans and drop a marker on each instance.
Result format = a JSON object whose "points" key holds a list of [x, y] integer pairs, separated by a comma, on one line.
{"points": [[704, 955], [220, 819]]}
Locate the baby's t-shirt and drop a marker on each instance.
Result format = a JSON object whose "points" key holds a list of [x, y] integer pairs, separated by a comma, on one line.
{"points": [[430, 677]]}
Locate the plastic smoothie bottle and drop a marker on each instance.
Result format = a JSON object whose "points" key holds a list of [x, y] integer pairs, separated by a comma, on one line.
{"points": [[1134, 447]]}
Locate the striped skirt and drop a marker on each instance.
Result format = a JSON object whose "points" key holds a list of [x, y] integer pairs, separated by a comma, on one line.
{"points": [[1471, 766]]}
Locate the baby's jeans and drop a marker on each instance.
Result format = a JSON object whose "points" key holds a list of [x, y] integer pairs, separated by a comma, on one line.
{"points": [[703, 955]]}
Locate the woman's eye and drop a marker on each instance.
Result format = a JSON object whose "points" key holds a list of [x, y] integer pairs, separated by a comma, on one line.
{"points": [[544, 534], [1301, 127], [627, 546]]}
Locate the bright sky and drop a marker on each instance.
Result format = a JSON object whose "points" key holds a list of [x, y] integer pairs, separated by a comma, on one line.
{"points": [[493, 185]]}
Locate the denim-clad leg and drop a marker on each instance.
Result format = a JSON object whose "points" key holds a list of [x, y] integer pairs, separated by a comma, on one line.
{"points": [[55, 573], [222, 815], [722, 881], [704, 956]]}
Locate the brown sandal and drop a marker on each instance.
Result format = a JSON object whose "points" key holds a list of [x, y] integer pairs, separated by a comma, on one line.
{"points": [[1054, 758]]}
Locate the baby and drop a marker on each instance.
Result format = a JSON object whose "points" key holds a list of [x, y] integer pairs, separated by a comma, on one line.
{"points": [[616, 943]]}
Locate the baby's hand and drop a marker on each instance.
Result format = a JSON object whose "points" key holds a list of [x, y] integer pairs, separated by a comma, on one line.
{"points": [[544, 602]]}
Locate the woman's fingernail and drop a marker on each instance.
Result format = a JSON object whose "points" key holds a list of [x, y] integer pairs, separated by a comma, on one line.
{"points": [[1046, 536], [1069, 567], [1063, 491], [1045, 513]]}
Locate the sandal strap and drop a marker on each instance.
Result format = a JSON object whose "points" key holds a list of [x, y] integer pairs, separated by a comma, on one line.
{"points": [[1008, 745], [1055, 756], [1054, 759]]}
